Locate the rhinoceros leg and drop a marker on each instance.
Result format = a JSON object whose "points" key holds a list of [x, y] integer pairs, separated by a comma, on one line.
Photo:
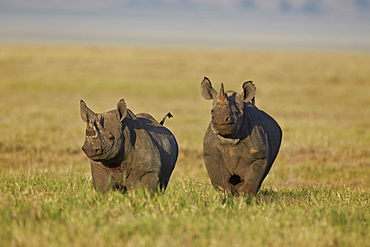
{"points": [[218, 173], [251, 177], [147, 180], [150, 181], [100, 177], [104, 179]]}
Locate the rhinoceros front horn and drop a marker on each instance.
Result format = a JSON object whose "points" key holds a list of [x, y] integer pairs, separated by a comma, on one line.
{"points": [[90, 129], [222, 98]]}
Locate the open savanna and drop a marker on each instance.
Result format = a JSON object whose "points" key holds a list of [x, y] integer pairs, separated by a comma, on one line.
{"points": [[316, 194]]}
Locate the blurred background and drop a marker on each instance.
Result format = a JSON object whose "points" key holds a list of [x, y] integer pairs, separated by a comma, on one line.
{"points": [[247, 24]]}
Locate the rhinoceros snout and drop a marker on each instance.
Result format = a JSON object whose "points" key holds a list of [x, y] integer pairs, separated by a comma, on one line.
{"points": [[91, 152]]}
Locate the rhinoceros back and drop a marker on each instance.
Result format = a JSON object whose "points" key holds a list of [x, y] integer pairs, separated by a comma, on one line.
{"points": [[166, 144]]}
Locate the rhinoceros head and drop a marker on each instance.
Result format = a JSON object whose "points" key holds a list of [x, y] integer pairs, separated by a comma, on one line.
{"points": [[103, 139], [228, 107]]}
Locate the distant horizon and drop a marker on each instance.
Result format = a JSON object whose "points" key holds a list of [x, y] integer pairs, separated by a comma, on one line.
{"points": [[157, 23], [346, 8]]}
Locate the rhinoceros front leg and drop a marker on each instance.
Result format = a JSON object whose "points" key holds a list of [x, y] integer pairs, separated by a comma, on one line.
{"points": [[104, 179], [100, 177], [251, 177], [218, 173]]}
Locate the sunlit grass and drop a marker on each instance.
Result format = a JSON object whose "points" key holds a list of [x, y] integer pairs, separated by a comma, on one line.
{"points": [[39, 210], [316, 192]]}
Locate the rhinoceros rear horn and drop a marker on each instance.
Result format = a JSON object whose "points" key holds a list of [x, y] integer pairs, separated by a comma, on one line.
{"points": [[249, 91], [222, 90]]}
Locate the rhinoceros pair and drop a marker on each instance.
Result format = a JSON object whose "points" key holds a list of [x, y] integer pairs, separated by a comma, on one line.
{"points": [[130, 150]]}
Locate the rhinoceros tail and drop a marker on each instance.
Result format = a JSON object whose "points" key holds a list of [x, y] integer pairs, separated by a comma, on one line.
{"points": [[169, 115]]}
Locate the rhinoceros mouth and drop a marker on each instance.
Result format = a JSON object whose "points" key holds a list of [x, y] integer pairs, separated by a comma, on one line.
{"points": [[97, 157], [225, 130], [101, 157], [223, 124]]}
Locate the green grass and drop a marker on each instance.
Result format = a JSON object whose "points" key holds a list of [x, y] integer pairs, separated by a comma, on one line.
{"points": [[45, 211], [316, 194]]}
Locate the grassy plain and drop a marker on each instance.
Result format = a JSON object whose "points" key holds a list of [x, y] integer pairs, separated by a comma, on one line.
{"points": [[317, 192]]}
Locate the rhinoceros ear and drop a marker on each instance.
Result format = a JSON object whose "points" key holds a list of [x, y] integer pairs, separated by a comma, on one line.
{"points": [[122, 109], [249, 91], [86, 113], [206, 89]]}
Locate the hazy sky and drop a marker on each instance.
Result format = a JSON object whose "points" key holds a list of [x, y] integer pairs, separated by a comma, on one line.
{"points": [[249, 24], [346, 7]]}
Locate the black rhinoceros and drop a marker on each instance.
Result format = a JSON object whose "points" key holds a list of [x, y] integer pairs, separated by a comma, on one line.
{"points": [[128, 150], [241, 141]]}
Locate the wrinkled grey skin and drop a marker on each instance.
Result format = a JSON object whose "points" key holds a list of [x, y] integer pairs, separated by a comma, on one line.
{"points": [[128, 150], [241, 142]]}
